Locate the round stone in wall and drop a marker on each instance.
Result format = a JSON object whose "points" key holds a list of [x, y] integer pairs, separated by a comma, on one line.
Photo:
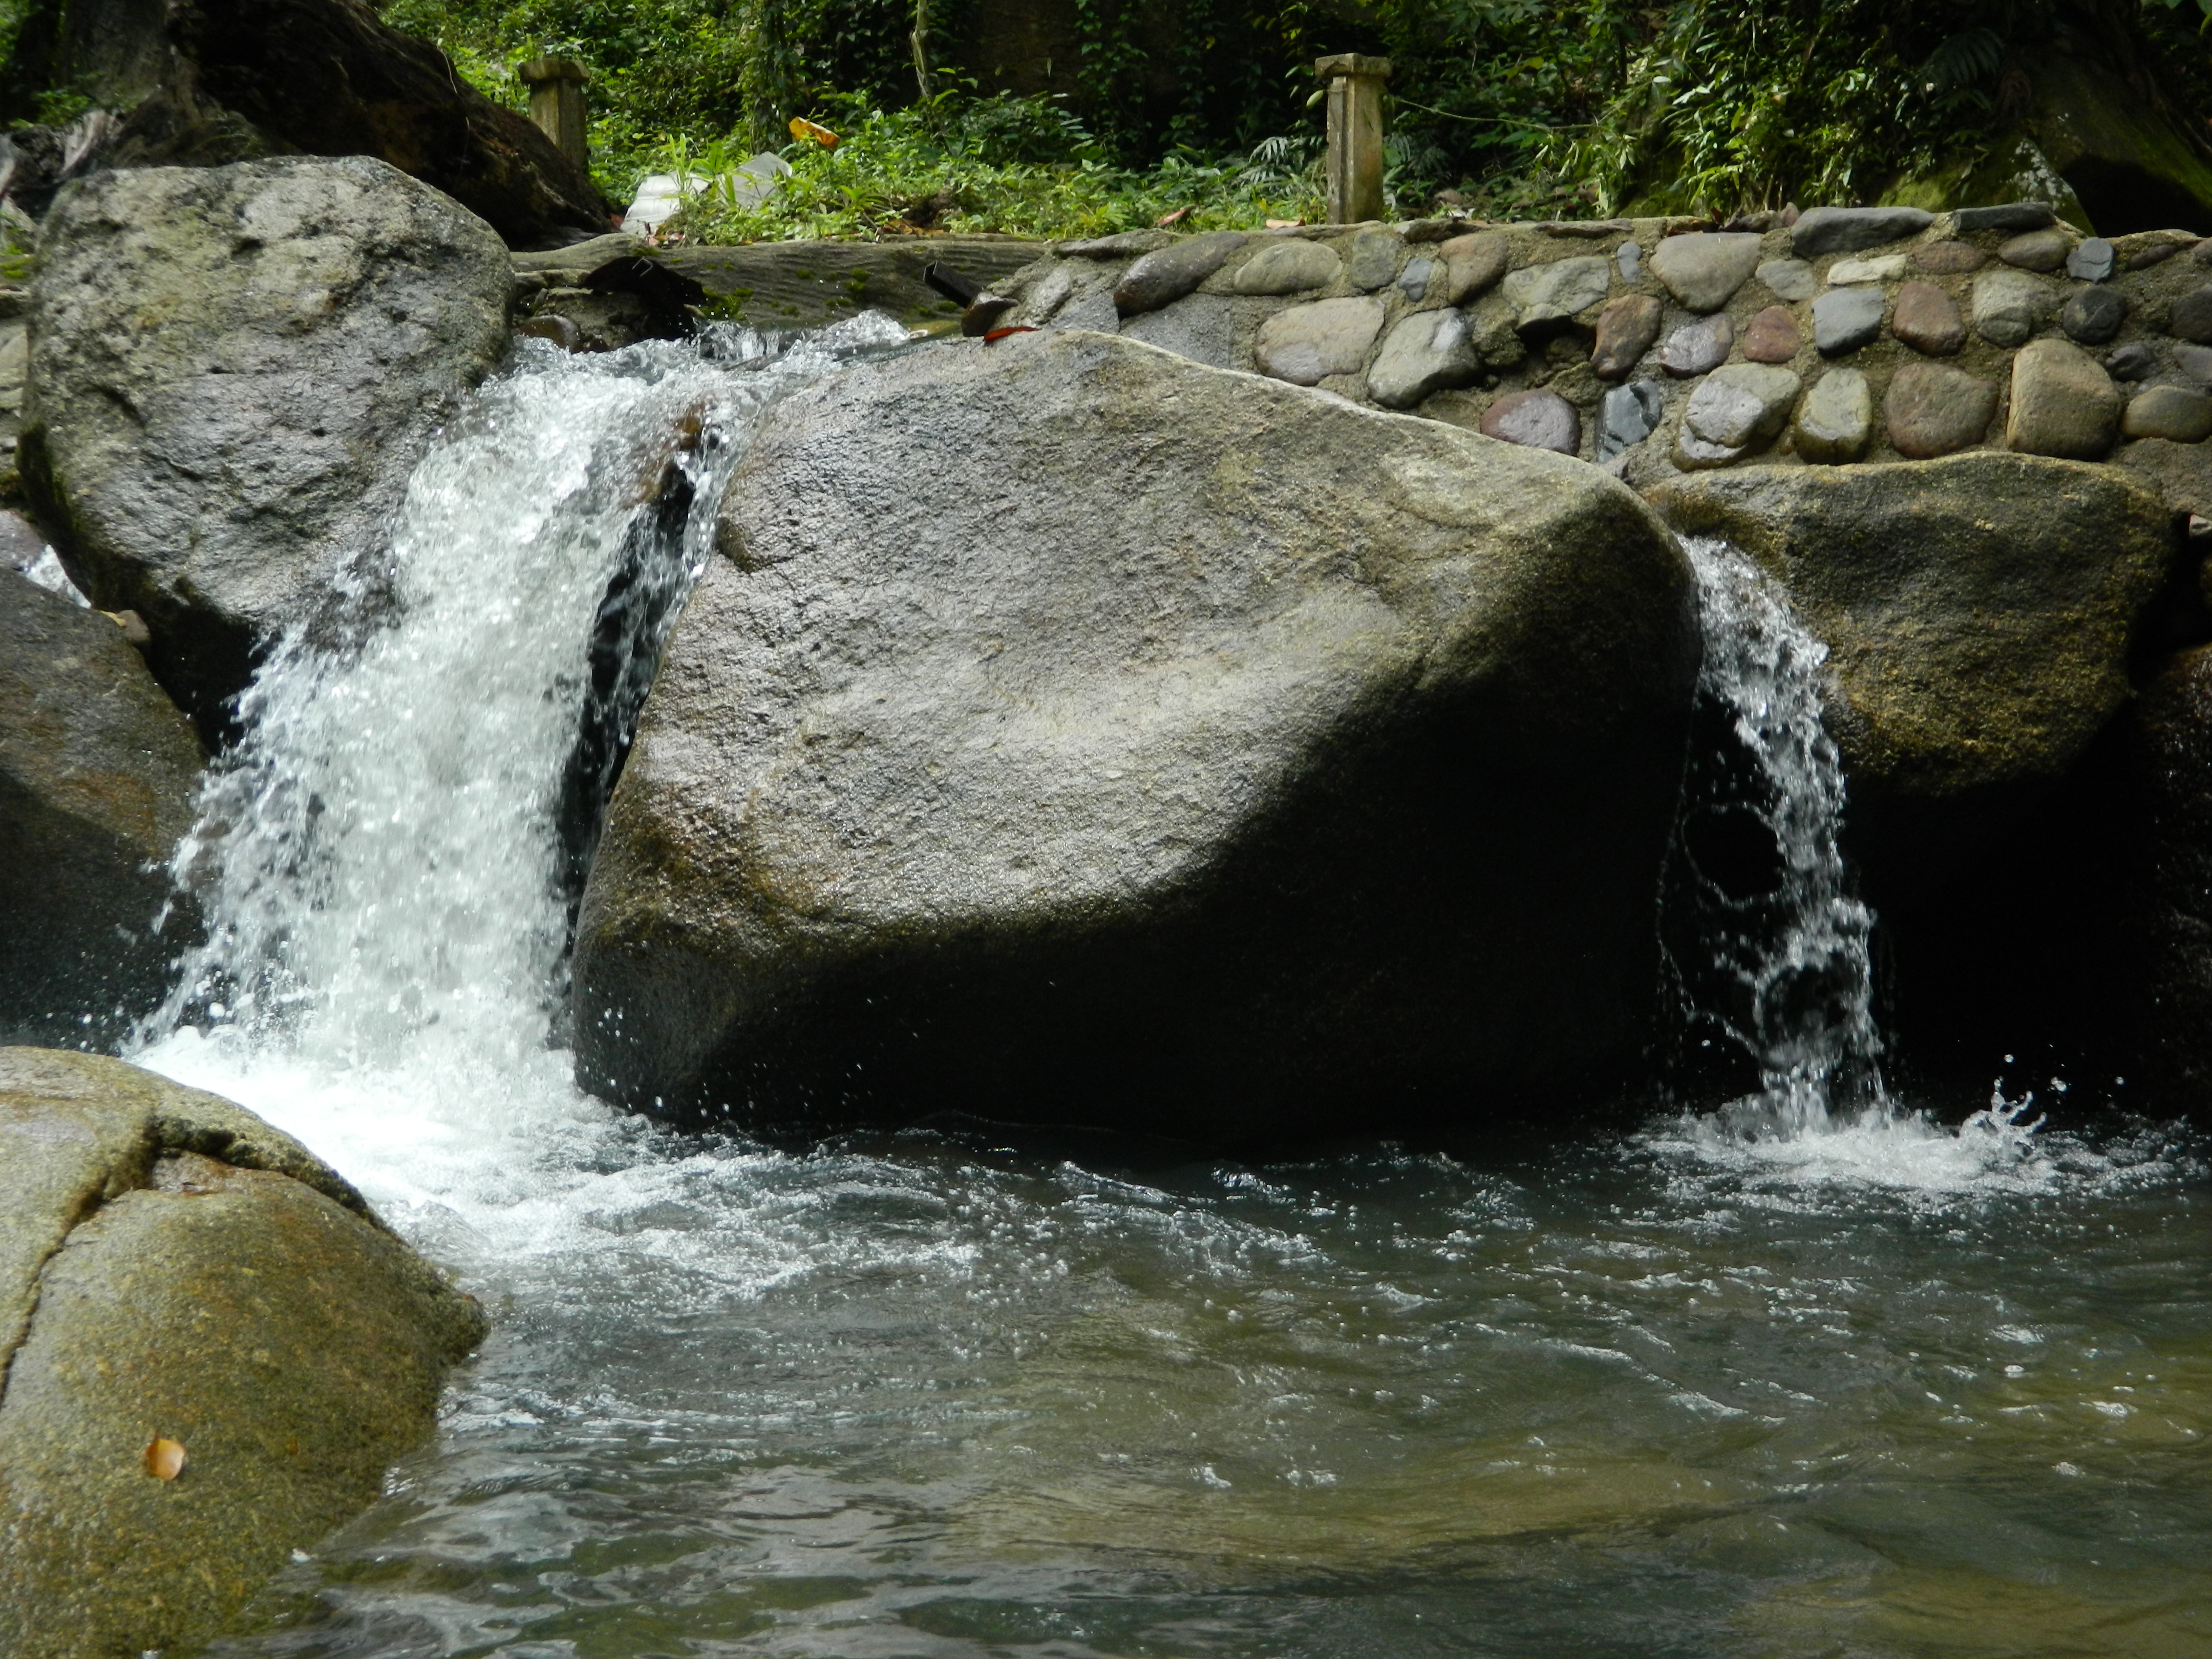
{"points": [[1625, 330], [1835, 424], [1950, 259], [1698, 348], [1933, 408], [1288, 267], [2191, 319], [2094, 315], [2040, 249], [2063, 404], [2010, 305], [1928, 319], [1771, 335], [1789, 279], [1307, 343], [2172, 412], [1704, 271], [1845, 318], [2091, 262], [1536, 419]]}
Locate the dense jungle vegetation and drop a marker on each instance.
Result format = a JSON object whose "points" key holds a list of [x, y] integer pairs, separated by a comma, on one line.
{"points": [[1073, 116], [1516, 106]]}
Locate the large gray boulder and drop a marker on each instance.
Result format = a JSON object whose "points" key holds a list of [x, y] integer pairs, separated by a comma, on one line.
{"points": [[171, 1267], [1069, 732], [1979, 611], [232, 374], [97, 775]]}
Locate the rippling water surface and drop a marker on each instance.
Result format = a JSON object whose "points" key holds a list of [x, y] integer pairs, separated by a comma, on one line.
{"points": [[1763, 1382]]}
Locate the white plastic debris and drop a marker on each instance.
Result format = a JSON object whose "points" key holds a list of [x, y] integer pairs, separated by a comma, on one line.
{"points": [[660, 194]]}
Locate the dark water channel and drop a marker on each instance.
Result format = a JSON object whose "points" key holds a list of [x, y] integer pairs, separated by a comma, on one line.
{"points": [[1808, 1373]]}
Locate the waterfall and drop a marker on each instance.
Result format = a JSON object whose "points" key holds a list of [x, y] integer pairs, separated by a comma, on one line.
{"points": [[388, 860], [1767, 938]]}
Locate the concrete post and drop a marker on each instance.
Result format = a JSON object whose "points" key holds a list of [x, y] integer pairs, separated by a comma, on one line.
{"points": [[1355, 135], [556, 106]]}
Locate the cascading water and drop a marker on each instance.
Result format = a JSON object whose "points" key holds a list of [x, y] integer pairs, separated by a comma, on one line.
{"points": [[918, 1396]]}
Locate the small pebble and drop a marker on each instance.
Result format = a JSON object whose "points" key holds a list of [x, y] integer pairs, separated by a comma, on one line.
{"points": [[2092, 261]]}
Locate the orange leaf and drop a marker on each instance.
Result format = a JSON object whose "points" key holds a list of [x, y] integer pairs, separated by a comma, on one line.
{"points": [[165, 1459], [803, 128]]}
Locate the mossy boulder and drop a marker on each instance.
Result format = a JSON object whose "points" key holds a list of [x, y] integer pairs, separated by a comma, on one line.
{"points": [[1979, 611], [1066, 731], [97, 775], [172, 1268]]}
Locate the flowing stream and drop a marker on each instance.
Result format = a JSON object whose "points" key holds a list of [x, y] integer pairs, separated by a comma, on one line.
{"points": [[1806, 1371]]}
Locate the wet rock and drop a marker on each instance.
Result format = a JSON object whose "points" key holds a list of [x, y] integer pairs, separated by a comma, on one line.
{"points": [[2040, 249], [97, 775], [1426, 352], [1563, 288], [2092, 261], [1698, 348], [1789, 279], [2170, 412], [1705, 271], [1625, 330], [1413, 280], [1127, 245], [232, 372], [1772, 337], [2063, 404], [1732, 409], [1628, 260], [1835, 424], [2010, 305], [1288, 267], [172, 1266], [2191, 317], [1306, 344], [1950, 259], [1374, 261], [1536, 419], [2135, 361], [2094, 315], [1932, 409], [1884, 268], [2005, 216], [1851, 230], [1473, 264], [1978, 612], [1846, 319], [1626, 417], [1184, 781], [1928, 319], [1165, 275]]}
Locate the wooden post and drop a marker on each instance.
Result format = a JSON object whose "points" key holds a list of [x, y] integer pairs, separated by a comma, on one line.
{"points": [[1355, 135], [556, 106]]}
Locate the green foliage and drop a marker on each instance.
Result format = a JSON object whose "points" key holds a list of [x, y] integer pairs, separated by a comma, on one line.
{"points": [[1022, 165]]}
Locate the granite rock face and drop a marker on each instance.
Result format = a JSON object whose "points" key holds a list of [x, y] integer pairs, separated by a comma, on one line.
{"points": [[1286, 764], [98, 771], [232, 372], [174, 1266]]}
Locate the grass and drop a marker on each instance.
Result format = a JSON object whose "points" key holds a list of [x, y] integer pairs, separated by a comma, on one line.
{"points": [[960, 162]]}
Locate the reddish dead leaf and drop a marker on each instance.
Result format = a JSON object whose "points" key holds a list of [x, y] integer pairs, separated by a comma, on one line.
{"points": [[999, 334], [1167, 219], [165, 1459]]}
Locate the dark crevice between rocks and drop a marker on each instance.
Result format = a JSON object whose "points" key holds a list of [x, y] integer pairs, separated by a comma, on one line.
{"points": [[632, 620]]}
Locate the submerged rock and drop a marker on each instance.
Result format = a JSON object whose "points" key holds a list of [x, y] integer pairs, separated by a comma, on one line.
{"points": [[174, 1267], [231, 374], [1979, 611], [1197, 755], [97, 775]]}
